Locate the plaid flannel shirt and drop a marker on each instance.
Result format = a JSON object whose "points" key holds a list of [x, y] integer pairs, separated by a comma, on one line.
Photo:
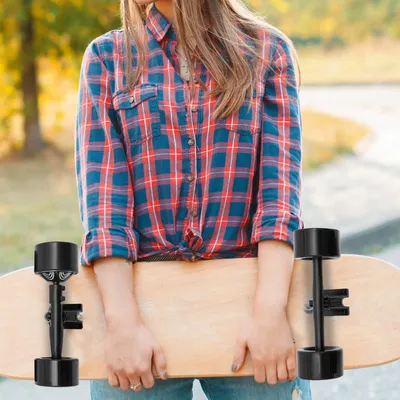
{"points": [[157, 175]]}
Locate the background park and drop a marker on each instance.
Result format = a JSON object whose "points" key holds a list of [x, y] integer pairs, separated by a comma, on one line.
{"points": [[349, 57]]}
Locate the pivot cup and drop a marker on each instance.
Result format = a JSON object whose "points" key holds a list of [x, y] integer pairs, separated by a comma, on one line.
{"points": [[61, 258], [319, 365], [63, 372], [316, 242]]}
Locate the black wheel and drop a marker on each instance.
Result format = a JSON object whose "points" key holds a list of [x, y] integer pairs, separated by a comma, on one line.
{"points": [[56, 373], [318, 365], [316, 242], [56, 261]]}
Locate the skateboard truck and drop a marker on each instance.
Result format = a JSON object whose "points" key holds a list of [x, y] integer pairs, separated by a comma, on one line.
{"points": [[56, 262], [72, 315], [333, 303], [320, 362]]}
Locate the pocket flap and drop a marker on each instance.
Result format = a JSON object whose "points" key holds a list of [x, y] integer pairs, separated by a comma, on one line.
{"points": [[124, 100]]}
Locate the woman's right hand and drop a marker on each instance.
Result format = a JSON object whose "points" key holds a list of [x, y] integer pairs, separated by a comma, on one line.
{"points": [[130, 347], [130, 351]]}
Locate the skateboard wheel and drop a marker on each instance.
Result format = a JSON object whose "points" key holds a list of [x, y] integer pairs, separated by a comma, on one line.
{"points": [[56, 373], [318, 365], [56, 261], [316, 242]]}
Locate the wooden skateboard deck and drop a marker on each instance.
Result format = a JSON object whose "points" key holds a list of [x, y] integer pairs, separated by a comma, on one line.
{"points": [[194, 309]]}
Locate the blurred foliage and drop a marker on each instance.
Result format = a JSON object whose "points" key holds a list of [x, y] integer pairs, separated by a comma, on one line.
{"points": [[63, 28], [332, 22]]}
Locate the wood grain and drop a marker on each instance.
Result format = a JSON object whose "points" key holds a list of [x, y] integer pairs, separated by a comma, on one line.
{"points": [[194, 310]]}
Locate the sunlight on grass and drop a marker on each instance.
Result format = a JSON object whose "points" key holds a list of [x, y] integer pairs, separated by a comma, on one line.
{"points": [[325, 137], [38, 202], [374, 61]]}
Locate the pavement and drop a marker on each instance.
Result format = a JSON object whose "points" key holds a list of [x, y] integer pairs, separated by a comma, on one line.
{"points": [[356, 194], [375, 105], [351, 194], [360, 192]]}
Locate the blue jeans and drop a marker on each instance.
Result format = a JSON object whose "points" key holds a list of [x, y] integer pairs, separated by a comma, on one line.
{"points": [[225, 388]]}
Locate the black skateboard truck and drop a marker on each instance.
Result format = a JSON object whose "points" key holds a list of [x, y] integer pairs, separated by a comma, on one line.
{"points": [[56, 262], [320, 362]]}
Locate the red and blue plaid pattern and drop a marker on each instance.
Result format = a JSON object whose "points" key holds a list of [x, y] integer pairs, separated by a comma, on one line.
{"points": [[157, 175]]}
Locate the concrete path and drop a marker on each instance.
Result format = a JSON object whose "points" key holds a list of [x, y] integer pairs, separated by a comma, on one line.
{"points": [[351, 194], [377, 106], [355, 193]]}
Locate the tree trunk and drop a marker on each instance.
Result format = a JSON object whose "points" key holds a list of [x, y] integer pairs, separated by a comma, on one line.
{"points": [[29, 84]]}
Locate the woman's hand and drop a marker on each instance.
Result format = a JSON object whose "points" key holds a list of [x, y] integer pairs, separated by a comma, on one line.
{"points": [[267, 334], [130, 349]]}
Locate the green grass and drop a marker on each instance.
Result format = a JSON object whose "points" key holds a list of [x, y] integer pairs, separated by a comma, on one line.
{"points": [[373, 61], [325, 137], [38, 202]]}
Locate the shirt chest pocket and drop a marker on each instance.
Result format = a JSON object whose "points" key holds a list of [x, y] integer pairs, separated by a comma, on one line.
{"points": [[247, 120], [139, 113]]}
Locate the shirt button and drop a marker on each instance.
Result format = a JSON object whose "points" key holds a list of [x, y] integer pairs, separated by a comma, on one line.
{"points": [[190, 177], [131, 99], [193, 258], [194, 109], [194, 213], [195, 80], [191, 142]]}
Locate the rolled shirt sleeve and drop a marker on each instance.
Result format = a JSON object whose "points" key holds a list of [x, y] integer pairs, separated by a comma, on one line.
{"points": [[103, 179], [278, 212]]}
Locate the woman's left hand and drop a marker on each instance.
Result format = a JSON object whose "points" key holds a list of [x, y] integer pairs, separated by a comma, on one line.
{"points": [[267, 334]]}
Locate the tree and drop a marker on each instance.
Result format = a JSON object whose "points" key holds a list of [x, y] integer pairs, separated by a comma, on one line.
{"points": [[51, 29], [29, 81]]}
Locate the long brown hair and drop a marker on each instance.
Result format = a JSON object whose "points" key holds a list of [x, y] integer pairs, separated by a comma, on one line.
{"points": [[222, 26]]}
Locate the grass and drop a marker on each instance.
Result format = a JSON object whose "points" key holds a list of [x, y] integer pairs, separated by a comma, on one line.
{"points": [[38, 202], [38, 197], [325, 137], [373, 61]]}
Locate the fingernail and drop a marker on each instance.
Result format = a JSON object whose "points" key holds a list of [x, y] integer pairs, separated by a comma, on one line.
{"points": [[234, 367], [164, 375]]}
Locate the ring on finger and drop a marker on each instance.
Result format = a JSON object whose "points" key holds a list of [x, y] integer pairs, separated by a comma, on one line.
{"points": [[135, 386]]}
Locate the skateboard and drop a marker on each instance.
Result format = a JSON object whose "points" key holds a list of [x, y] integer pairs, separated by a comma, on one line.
{"points": [[343, 311]]}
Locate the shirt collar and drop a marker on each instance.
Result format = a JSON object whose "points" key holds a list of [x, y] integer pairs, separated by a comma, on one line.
{"points": [[157, 23]]}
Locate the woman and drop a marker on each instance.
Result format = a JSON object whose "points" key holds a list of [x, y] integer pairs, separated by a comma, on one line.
{"points": [[165, 171]]}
